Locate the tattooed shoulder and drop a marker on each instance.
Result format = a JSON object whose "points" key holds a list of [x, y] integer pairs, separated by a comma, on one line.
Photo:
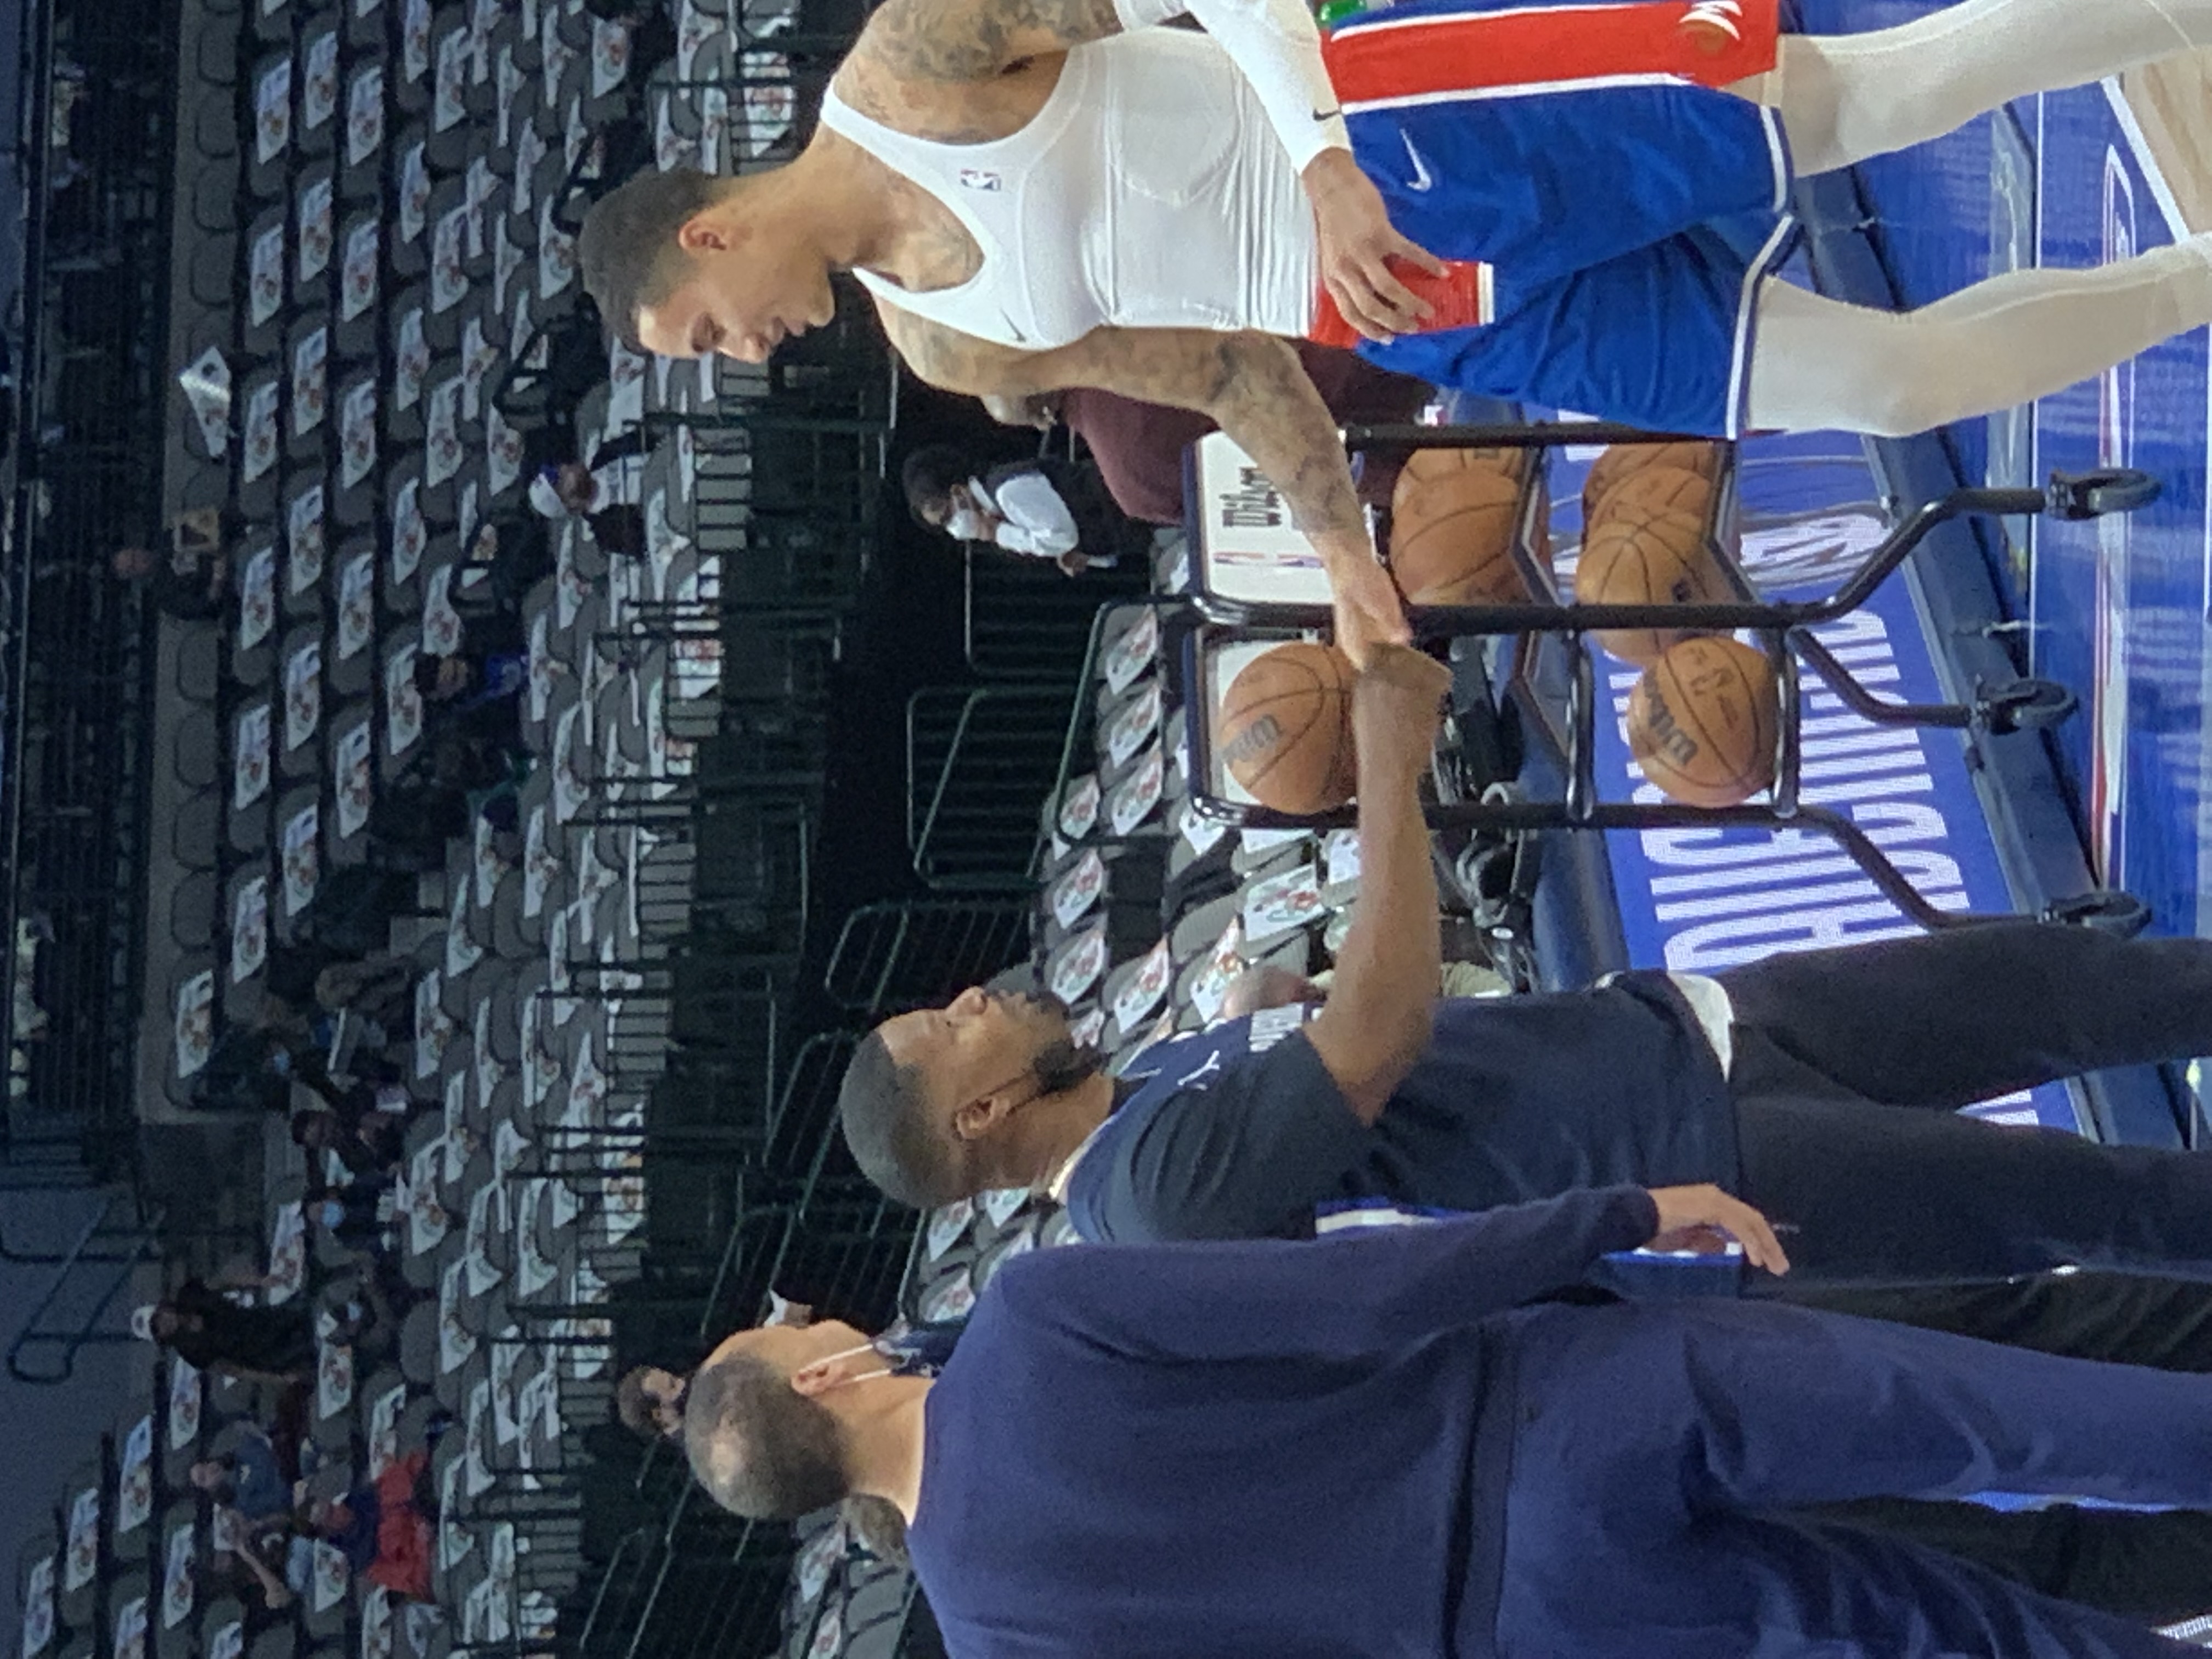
{"points": [[870, 88], [957, 40], [948, 359]]}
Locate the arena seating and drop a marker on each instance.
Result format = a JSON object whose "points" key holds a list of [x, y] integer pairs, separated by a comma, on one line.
{"points": [[1143, 913], [387, 319], [612, 1046]]}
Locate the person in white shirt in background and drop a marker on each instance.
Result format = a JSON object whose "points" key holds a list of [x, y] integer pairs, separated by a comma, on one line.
{"points": [[1044, 509], [602, 490], [582, 487]]}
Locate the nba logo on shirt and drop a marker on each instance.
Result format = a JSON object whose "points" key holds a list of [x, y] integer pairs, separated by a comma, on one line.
{"points": [[981, 179]]}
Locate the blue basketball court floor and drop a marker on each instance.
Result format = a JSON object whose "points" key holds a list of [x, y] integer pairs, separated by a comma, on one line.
{"points": [[2117, 609]]}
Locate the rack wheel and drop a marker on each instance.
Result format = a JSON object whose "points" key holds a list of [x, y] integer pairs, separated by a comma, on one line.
{"points": [[1484, 874], [1448, 767], [2108, 909], [2093, 494], [2025, 705]]}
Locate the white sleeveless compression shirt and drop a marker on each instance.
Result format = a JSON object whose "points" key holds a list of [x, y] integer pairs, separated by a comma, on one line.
{"points": [[1149, 192]]}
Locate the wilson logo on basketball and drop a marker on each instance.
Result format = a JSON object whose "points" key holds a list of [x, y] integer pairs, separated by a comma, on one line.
{"points": [[1701, 722], [1665, 734], [1254, 741]]}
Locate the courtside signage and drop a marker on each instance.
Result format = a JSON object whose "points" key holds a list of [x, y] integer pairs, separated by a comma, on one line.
{"points": [[1701, 900]]}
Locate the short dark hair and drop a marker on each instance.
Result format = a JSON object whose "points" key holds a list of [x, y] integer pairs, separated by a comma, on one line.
{"points": [[781, 1454], [627, 249], [618, 527], [929, 474], [884, 1109]]}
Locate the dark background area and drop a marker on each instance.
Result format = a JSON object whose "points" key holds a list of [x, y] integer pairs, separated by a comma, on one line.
{"points": [[11, 180], [47, 1429], [907, 634]]}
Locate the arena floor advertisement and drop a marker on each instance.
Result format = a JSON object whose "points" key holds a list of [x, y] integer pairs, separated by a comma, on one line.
{"points": [[1700, 900]]}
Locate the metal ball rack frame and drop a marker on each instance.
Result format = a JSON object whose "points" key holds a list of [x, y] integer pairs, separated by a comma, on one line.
{"points": [[1783, 630]]}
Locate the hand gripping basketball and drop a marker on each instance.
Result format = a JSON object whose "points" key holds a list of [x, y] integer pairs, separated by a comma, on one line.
{"points": [[1703, 1218]]}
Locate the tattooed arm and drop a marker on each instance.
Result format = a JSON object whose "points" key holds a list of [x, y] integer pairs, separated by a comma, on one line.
{"points": [[1253, 386], [1041, 411], [957, 40]]}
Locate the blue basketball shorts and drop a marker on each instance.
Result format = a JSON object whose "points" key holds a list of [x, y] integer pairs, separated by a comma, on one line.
{"points": [[1659, 338], [1626, 206]]}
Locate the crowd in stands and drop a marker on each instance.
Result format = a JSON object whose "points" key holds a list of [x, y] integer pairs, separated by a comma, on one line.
{"points": [[267, 1515]]}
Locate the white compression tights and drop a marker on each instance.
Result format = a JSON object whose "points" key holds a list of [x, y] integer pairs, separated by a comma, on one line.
{"points": [[1846, 97], [1843, 98], [1818, 363]]}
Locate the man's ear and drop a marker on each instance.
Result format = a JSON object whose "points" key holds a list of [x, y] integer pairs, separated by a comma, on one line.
{"points": [[705, 232], [824, 1375], [979, 1118]]}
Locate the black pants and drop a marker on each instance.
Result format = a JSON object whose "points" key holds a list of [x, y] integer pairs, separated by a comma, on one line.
{"points": [[1847, 1068], [2158, 1567], [1848, 1065]]}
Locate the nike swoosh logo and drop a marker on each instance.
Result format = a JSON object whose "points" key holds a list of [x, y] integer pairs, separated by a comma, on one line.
{"points": [[1422, 179], [1327, 115], [1014, 328]]}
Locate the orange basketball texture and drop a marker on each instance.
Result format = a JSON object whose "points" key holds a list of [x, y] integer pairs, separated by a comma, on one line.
{"points": [[1647, 556], [1676, 488], [1284, 728], [1701, 721], [1427, 466], [1624, 460], [1451, 540]]}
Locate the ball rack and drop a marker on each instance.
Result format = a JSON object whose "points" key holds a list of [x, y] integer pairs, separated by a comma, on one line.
{"points": [[1240, 598]]}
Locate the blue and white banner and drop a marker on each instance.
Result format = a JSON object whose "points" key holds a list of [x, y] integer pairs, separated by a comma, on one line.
{"points": [[1706, 899]]}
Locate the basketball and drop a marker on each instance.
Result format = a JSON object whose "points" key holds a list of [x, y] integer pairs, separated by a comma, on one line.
{"points": [[1451, 540], [1701, 721], [1625, 461], [1647, 556], [1284, 728], [1428, 466], [1674, 488]]}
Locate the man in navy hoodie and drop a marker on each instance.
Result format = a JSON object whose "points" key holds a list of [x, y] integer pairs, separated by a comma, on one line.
{"points": [[1388, 1442], [1819, 1087]]}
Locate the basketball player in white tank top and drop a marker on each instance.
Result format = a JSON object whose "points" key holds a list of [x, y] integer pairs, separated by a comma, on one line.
{"points": [[988, 74], [1200, 327]]}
